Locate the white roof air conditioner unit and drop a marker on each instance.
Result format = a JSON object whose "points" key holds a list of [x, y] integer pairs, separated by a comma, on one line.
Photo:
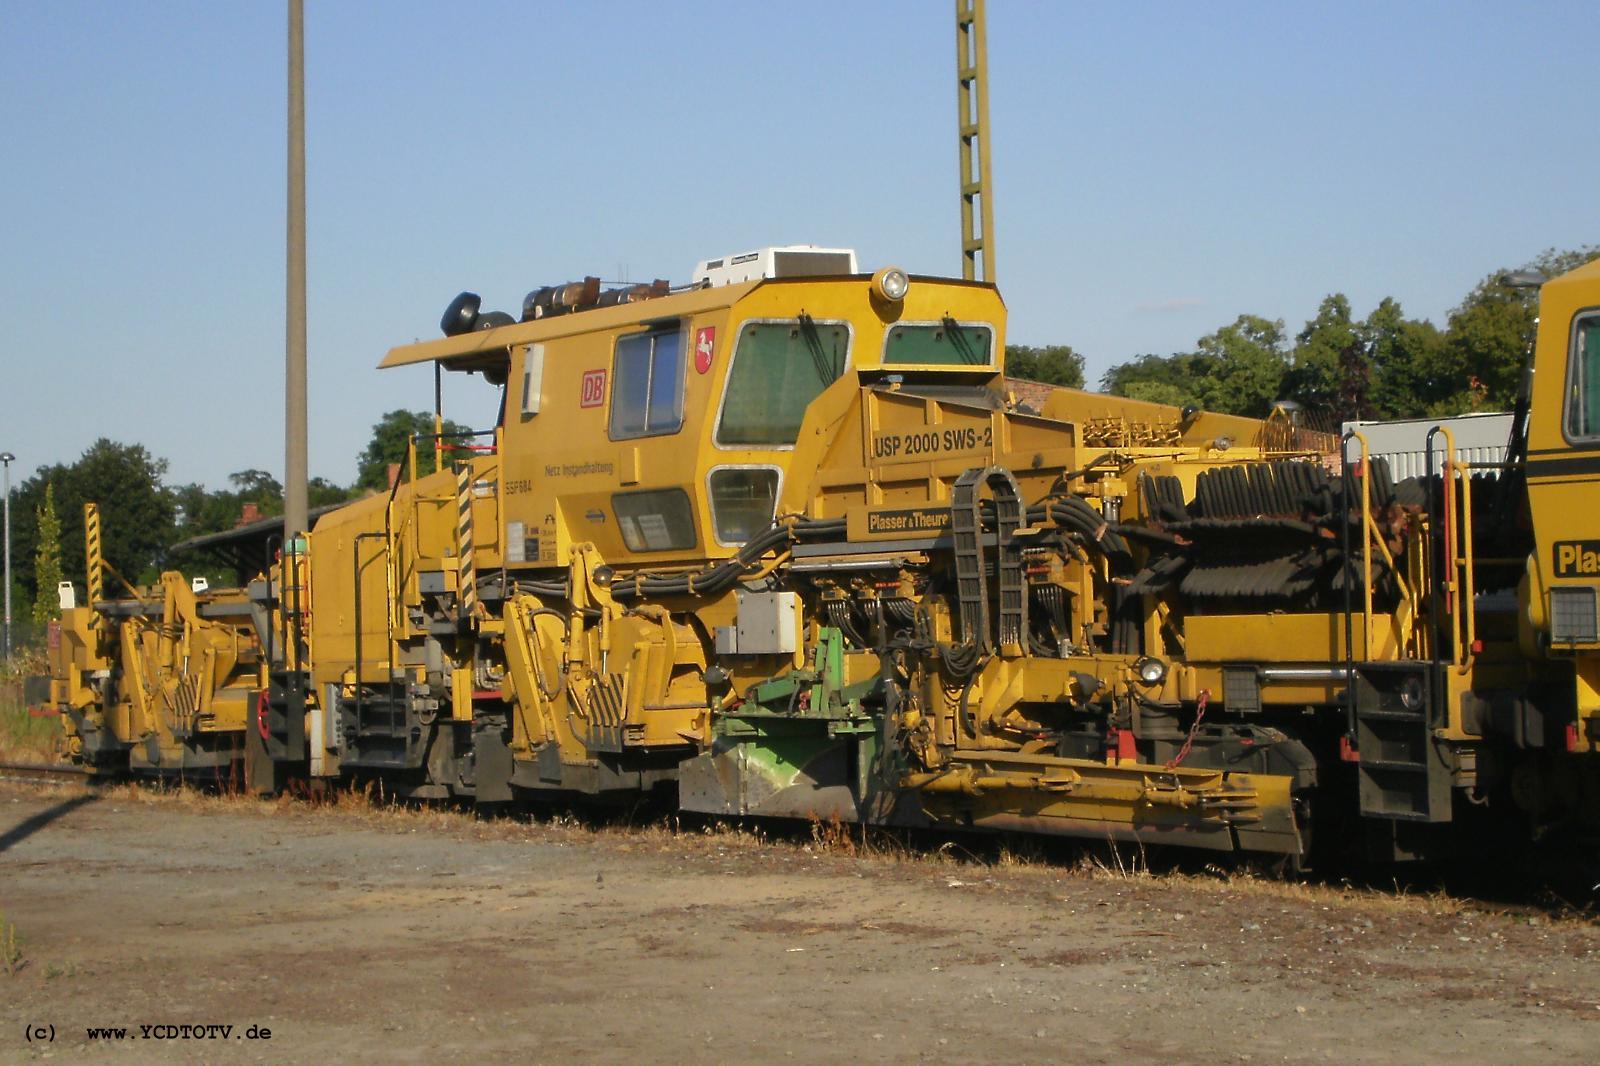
{"points": [[789, 261]]}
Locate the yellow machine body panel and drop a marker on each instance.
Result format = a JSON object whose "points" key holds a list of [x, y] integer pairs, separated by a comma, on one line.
{"points": [[1561, 594]]}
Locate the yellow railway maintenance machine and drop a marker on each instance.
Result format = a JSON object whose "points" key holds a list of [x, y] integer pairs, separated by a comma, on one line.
{"points": [[157, 681], [787, 540]]}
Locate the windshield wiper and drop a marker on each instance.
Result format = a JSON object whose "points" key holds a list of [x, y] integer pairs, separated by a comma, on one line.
{"points": [[958, 341], [827, 373]]}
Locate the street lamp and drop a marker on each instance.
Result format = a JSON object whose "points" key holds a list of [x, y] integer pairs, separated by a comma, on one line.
{"points": [[7, 458]]}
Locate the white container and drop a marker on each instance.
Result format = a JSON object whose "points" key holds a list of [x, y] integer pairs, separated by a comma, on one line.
{"points": [[1480, 438]]}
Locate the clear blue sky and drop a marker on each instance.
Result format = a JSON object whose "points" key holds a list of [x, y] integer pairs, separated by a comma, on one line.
{"points": [[1159, 169]]}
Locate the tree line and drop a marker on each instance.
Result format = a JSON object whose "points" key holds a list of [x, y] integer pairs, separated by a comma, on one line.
{"points": [[1338, 366], [143, 514]]}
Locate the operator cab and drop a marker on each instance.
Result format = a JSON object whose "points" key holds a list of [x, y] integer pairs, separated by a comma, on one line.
{"points": [[673, 424]]}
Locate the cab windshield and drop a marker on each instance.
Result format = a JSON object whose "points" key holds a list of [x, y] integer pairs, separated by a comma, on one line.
{"points": [[943, 343], [779, 367]]}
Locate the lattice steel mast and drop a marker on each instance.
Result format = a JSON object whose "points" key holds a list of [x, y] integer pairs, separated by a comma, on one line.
{"points": [[972, 95]]}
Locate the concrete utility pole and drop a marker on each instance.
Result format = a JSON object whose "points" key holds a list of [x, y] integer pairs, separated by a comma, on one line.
{"points": [[294, 389], [7, 459]]}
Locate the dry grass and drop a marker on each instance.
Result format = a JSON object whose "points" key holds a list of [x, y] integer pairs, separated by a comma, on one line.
{"points": [[840, 837], [1250, 884], [1115, 861]]}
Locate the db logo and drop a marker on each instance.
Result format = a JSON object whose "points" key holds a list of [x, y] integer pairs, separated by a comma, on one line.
{"points": [[594, 388], [705, 342]]}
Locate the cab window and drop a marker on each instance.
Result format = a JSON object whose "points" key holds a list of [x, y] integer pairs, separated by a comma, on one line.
{"points": [[1583, 380], [655, 521], [778, 369], [743, 499], [944, 343], [647, 384]]}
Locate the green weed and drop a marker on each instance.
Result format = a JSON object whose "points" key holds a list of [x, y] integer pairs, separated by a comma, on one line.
{"points": [[11, 957]]}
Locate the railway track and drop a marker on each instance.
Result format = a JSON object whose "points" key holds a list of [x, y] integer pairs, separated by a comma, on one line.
{"points": [[40, 771]]}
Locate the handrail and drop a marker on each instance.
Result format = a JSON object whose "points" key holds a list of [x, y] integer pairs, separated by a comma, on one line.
{"points": [[502, 545], [390, 606], [439, 437], [355, 561], [1458, 548], [1374, 536], [1440, 554], [294, 620], [267, 570], [393, 540], [1366, 532], [438, 415], [1468, 564], [388, 588], [1351, 732], [1447, 487]]}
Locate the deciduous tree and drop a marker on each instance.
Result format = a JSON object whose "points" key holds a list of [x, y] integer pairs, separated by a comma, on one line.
{"points": [[136, 510], [388, 445], [1053, 364]]}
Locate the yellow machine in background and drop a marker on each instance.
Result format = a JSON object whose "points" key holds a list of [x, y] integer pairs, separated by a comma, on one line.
{"points": [[785, 540], [161, 681], [1562, 454]]}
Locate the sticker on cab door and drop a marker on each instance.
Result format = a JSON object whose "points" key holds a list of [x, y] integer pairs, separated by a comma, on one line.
{"points": [[705, 342]]}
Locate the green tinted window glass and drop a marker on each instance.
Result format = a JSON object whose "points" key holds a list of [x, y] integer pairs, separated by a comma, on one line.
{"points": [[1583, 387], [778, 369], [947, 343], [742, 502], [655, 521]]}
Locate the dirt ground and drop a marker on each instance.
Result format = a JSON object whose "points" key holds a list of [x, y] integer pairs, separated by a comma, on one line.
{"points": [[405, 936]]}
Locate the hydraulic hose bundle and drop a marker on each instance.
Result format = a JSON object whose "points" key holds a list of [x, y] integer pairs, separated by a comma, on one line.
{"points": [[719, 577]]}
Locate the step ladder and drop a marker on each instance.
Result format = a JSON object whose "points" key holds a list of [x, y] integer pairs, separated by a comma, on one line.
{"points": [[281, 710], [1404, 775]]}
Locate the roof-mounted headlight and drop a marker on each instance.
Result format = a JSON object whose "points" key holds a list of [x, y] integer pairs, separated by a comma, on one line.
{"points": [[890, 284]]}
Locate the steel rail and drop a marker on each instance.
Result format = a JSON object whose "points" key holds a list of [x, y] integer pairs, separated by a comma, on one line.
{"points": [[39, 771]]}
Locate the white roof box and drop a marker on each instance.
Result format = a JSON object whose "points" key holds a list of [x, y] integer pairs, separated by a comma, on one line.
{"points": [[790, 261]]}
